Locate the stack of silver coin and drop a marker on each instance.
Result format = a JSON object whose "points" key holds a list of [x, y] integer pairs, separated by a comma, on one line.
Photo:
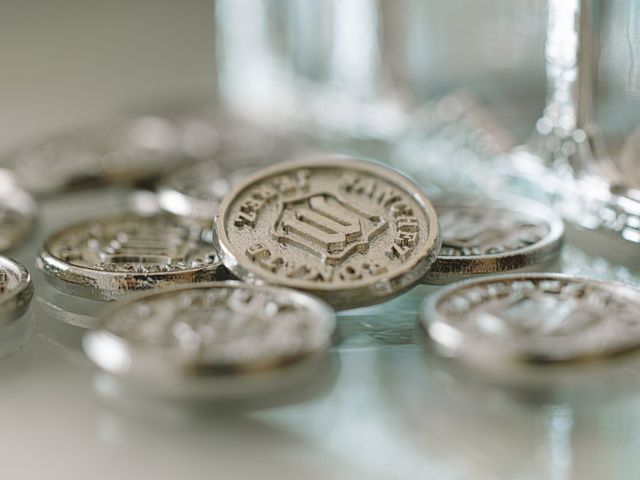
{"points": [[231, 287]]}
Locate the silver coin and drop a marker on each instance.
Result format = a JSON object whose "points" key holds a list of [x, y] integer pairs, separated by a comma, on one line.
{"points": [[16, 290], [17, 214], [105, 258], [212, 330], [485, 236], [196, 190], [123, 151], [533, 318], [351, 232]]}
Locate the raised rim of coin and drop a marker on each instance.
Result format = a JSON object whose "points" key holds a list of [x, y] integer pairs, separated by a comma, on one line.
{"points": [[534, 257], [358, 293], [104, 284], [500, 352], [153, 362], [16, 301], [19, 201]]}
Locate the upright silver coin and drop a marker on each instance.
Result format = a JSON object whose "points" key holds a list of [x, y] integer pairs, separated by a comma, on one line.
{"points": [[349, 231], [486, 236], [16, 290], [17, 213], [210, 331], [105, 258], [533, 318]]}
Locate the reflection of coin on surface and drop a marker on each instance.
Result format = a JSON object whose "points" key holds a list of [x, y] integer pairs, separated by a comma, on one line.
{"points": [[219, 339], [352, 232], [485, 236], [111, 256], [506, 320]]}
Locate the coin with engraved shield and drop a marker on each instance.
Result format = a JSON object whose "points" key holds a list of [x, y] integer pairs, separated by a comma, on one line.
{"points": [[533, 318], [107, 257], [482, 236], [216, 331], [16, 290], [352, 232]]}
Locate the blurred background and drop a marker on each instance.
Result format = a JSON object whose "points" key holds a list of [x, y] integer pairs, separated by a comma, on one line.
{"points": [[359, 67], [66, 63]]}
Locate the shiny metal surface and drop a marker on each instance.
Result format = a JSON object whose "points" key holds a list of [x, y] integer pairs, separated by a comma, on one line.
{"points": [[538, 318], [349, 231], [482, 236], [16, 290], [110, 256], [216, 340]]}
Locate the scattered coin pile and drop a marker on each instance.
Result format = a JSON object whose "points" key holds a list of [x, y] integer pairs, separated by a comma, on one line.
{"points": [[239, 273]]}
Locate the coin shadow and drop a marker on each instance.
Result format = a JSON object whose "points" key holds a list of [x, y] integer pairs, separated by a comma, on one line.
{"points": [[485, 427]]}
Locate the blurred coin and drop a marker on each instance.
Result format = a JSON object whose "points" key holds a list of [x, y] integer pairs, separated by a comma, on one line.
{"points": [[16, 290], [184, 336], [352, 232], [107, 257], [17, 213], [195, 191], [124, 151], [484, 236], [528, 318]]}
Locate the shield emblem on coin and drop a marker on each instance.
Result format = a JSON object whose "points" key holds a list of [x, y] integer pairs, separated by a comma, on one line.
{"points": [[326, 226]]}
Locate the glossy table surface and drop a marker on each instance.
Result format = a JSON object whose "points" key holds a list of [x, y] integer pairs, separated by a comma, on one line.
{"points": [[383, 407]]}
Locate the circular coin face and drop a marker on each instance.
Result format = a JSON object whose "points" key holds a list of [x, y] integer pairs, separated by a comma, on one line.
{"points": [[107, 257], [485, 236], [349, 231], [17, 215], [533, 318], [125, 151], [16, 290], [210, 329]]}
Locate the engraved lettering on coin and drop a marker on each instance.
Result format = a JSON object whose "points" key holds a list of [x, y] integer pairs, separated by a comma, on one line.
{"points": [[16, 290], [485, 236], [218, 328], [538, 317], [109, 256], [349, 231]]}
